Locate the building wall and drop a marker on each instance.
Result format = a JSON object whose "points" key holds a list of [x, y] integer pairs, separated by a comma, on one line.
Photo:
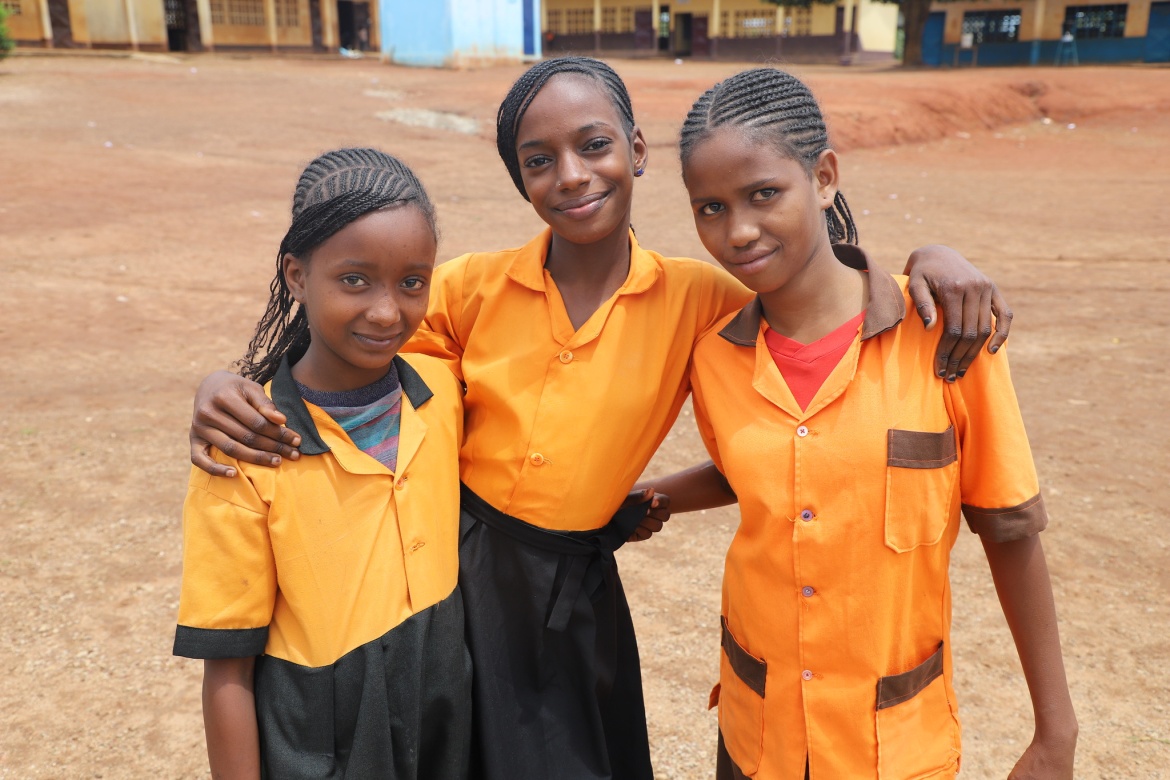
{"points": [[117, 23], [25, 22], [442, 33]]}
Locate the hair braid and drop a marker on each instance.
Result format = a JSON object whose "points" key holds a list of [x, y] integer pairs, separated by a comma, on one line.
{"points": [[779, 105], [525, 90], [334, 190]]}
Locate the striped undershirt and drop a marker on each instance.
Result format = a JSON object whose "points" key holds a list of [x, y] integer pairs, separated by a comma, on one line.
{"points": [[370, 415]]}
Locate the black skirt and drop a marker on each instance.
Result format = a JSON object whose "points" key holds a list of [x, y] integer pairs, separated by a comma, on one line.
{"points": [[557, 687]]}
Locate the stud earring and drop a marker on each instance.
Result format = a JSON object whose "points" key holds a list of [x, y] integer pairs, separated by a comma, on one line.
{"points": [[639, 172]]}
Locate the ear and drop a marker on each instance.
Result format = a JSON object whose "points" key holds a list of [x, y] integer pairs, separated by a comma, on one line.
{"points": [[825, 178], [295, 270], [639, 150]]}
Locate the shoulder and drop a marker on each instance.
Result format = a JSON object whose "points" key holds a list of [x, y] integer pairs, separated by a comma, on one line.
{"points": [[436, 376]]}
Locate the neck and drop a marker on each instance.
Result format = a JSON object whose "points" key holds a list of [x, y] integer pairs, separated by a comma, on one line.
{"points": [[821, 297], [596, 266]]}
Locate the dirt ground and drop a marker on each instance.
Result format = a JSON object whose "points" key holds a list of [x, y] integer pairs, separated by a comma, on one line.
{"points": [[141, 202]]}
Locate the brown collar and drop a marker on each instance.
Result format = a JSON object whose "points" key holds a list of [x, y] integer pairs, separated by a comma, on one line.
{"points": [[884, 309]]}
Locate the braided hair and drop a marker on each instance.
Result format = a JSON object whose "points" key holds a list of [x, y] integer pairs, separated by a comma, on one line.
{"points": [[775, 104], [334, 190], [524, 91]]}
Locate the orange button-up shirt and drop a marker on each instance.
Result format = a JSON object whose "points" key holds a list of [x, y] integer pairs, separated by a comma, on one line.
{"points": [[560, 422], [836, 599]]}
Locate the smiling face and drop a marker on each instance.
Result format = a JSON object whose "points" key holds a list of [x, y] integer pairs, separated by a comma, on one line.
{"points": [[759, 212], [365, 291], [576, 161]]}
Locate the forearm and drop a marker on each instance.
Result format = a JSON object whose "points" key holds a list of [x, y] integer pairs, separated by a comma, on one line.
{"points": [[699, 487], [229, 718], [1021, 580]]}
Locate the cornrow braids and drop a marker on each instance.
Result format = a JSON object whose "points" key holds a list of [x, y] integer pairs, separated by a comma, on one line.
{"points": [[524, 91], [334, 190], [780, 106]]}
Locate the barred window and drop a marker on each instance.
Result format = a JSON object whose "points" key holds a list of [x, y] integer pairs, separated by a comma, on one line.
{"points": [[288, 13], [617, 20], [13, 6], [1095, 21], [248, 13], [753, 24], [799, 21], [570, 21], [992, 26]]}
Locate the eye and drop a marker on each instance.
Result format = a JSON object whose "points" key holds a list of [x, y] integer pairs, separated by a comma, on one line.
{"points": [[597, 144], [537, 160], [710, 209], [352, 280], [414, 283], [764, 194]]}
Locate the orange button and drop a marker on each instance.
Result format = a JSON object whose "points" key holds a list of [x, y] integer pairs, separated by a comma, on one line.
{"points": [[566, 356], [537, 459], [401, 483]]}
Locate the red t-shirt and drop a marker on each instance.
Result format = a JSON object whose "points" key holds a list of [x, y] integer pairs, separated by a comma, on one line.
{"points": [[805, 367]]}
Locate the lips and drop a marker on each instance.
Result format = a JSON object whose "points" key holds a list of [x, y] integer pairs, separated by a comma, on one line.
{"points": [[751, 262], [584, 206], [379, 342]]}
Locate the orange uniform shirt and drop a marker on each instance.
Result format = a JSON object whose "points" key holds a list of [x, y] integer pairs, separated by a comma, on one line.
{"points": [[560, 423], [836, 599]]}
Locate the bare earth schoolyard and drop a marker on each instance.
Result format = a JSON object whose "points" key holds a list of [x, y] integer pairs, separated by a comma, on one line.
{"points": [[141, 203]]}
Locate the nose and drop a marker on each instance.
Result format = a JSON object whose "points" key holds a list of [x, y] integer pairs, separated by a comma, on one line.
{"points": [[571, 172], [384, 312], [743, 231]]}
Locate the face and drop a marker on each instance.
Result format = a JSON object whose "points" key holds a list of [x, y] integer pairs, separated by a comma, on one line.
{"points": [[758, 212], [365, 291], [576, 161]]}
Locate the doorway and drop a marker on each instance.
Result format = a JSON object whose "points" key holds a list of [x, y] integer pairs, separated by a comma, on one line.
{"points": [[683, 29], [59, 21], [353, 22], [175, 12], [1158, 34]]}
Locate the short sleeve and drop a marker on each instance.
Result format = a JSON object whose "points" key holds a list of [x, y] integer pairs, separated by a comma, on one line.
{"points": [[229, 574], [703, 420], [999, 489], [438, 335]]}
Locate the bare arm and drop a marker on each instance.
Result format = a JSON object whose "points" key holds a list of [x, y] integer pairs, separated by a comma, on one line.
{"points": [[968, 299], [234, 415], [229, 718], [1025, 593], [699, 487]]}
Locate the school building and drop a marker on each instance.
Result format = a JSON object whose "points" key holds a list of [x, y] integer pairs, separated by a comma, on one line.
{"points": [[750, 30], [195, 25], [1045, 32]]}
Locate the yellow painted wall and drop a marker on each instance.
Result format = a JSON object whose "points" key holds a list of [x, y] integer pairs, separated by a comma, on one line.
{"points": [[26, 25], [106, 23], [877, 24]]}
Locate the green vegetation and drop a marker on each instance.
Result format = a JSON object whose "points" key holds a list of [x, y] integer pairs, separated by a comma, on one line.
{"points": [[6, 42]]}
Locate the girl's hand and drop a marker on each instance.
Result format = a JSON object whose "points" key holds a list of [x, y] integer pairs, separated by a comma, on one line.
{"points": [[968, 300], [657, 513], [234, 415], [1046, 759]]}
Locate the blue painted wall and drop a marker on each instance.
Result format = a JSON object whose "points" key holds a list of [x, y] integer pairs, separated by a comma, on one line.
{"points": [[1044, 52], [439, 33]]}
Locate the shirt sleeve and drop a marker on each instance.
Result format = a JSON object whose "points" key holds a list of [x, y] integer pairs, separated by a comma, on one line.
{"points": [[229, 581], [723, 294], [999, 489], [703, 421], [439, 336]]}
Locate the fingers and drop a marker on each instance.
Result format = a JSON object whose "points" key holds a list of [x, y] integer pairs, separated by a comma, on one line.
{"points": [[976, 330], [239, 442], [271, 417], [638, 496], [1003, 320], [659, 509], [201, 458], [923, 301]]}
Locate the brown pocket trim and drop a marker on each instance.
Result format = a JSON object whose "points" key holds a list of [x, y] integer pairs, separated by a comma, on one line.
{"points": [[898, 688], [1010, 524], [920, 449], [751, 670]]}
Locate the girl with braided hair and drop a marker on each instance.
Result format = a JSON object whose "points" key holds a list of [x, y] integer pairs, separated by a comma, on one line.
{"points": [[322, 595], [851, 469], [574, 350]]}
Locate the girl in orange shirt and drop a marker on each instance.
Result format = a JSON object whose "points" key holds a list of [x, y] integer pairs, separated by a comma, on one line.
{"points": [[540, 336], [851, 471]]}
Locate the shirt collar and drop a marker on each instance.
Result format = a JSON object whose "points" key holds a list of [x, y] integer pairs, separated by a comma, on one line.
{"points": [[884, 309], [283, 391], [527, 267]]}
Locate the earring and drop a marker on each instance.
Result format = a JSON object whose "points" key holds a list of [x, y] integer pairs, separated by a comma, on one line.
{"points": [[639, 172]]}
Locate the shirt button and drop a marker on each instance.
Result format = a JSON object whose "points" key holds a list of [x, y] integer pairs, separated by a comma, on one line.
{"points": [[537, 459], [806, 675], [807, 591], [806, 515], [566, 356], [401, 483], [417, 546], [802, 431]]}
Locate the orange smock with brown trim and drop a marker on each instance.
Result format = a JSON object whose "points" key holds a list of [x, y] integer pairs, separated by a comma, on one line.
{"points": [[836, 599], [561, 423]]}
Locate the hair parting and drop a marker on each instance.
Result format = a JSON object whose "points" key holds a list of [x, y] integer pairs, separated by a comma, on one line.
{"points": [[780, 107], [334, 190]]}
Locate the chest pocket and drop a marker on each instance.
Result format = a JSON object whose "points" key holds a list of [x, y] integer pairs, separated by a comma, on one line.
{"points": [[921, 472]]}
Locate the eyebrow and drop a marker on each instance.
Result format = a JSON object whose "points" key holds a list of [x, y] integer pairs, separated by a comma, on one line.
{"points": [[598, 125]]}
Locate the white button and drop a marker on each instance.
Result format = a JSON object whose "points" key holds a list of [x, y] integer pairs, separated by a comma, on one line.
{"points": [[566, 356], [807, 591], [806, 675], [802, 431], [537, 459], [806, 515]]}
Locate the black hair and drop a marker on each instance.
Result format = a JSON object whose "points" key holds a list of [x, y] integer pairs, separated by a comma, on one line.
{"points": [[334, 190], [524, 91], [780, 106]]}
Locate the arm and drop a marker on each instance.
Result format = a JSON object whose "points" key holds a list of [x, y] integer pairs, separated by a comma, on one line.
{"points": [[234, 415], [689, 490], [229, 717], [968, 300], [1021, 579]]}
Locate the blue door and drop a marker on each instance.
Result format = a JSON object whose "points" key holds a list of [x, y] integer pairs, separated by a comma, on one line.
{"points": [[1158, 36], [530, 16], [932, 38]]}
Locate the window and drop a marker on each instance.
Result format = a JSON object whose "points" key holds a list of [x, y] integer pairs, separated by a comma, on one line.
{"points": [[554, 21], [992, 26], [288, 13], [799, 21], [617, 20], [1095, 21], [12, 6], [748, 24], [246, 13], [577, 21]]}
